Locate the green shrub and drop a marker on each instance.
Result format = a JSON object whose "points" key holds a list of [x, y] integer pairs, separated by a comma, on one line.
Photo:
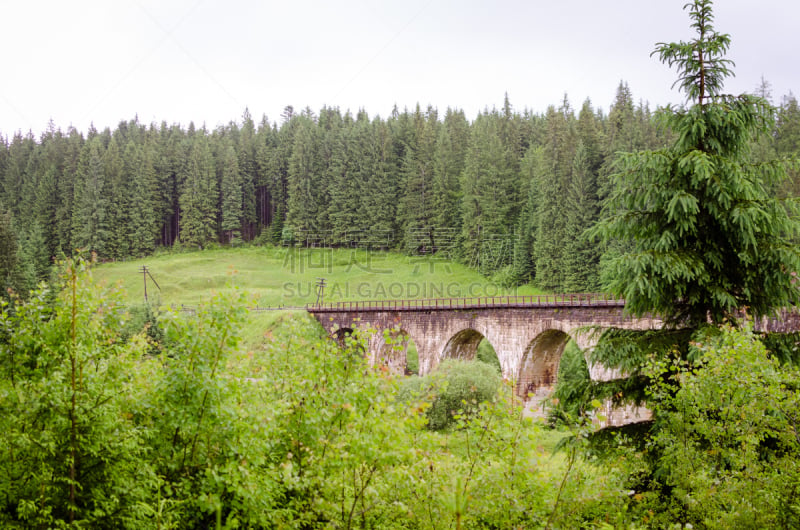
{"points": [[142, 319], [571, 387], [454, 388]]}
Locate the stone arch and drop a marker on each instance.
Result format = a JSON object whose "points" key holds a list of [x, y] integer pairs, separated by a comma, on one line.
{"points": [[340, 335], [392, 350], [463, 345], [538, 369]]}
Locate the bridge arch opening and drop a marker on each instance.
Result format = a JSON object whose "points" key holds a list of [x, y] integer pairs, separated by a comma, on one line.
{"points": [[341, 335], [469, 344], [538, 370], [398, 352]]}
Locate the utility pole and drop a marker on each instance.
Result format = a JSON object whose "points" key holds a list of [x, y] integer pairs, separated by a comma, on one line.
{"points": [[145, 273], [320, 291]]}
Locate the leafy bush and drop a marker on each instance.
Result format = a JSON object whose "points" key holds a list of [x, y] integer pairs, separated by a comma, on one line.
{"points": [[571, 385], [454, 388], [727, 445], [72, 452], [142, 319]]}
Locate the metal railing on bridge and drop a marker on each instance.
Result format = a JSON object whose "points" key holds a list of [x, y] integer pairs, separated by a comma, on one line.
{"points": [[481, 302]]}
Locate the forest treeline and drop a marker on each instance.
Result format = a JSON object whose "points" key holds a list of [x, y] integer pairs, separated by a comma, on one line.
{"points": [[509, 193]]}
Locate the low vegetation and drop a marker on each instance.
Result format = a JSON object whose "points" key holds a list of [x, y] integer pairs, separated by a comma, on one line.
{"points": [[184, 427]]}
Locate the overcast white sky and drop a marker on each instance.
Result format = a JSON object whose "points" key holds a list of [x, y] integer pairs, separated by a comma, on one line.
{"points": [[103, 61]]}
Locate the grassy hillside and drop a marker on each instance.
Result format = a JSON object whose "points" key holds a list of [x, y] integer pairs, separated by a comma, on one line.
{"points": [[285, 277]]}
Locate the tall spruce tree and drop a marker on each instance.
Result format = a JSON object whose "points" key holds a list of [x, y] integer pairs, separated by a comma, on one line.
{"points": [[90, 217], [381, 184], [345, 187], [144, 223], [704, 236], [418, 200], [248, 175], [524, 269], [553, 173], [8, 253], [708, 236], [305, 183], [199, 194], [231, 189], [581, 258], [449, 157]]}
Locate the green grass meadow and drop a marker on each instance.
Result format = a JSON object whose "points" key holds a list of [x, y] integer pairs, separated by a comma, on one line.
{"points": [[280, 277], [287, 277]]}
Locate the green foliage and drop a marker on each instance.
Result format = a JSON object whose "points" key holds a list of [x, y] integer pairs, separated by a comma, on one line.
{"points": [[296, 432], [699, 236], [73, 455], [572, 383], [143, 319], [8, 252], [726, 438], [701, 63], [486, 354], [455, 388]]}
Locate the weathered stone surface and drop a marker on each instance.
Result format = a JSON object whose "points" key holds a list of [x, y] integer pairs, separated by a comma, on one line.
{"points": [[528, 340]]}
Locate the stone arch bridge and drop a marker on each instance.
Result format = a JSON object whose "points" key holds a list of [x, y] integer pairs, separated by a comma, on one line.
{"points": [[528, 333]]}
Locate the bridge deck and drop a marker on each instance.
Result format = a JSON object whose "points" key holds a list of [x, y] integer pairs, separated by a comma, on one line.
{"points": [[483, 302]]}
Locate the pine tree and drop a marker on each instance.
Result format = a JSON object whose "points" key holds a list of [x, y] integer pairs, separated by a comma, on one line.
{"points": [[232, 211], [199, 194], [90, 218], [524, 269], [708, 238], [20, 151], [306, 188], [8, 253], [553, 174], [169, 160], [381, 183], [248, 174], [705, 238], [449, 159], [345, 187], [489, 210], [117, 186], [73, 146], [144, 221], [581, 256], [417, 202]]}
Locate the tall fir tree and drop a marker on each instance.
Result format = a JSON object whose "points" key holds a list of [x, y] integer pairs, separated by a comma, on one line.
{"points": [[231, 190], [306, 189], [90, 216], [449, 158], [199, 194], [248, 173], [417, 202], [144, 220], [380, 181], [581, 256], [553, 175]]}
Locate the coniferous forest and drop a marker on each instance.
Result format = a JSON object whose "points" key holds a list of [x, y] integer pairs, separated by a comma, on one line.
{"points": [[509, 193]]}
